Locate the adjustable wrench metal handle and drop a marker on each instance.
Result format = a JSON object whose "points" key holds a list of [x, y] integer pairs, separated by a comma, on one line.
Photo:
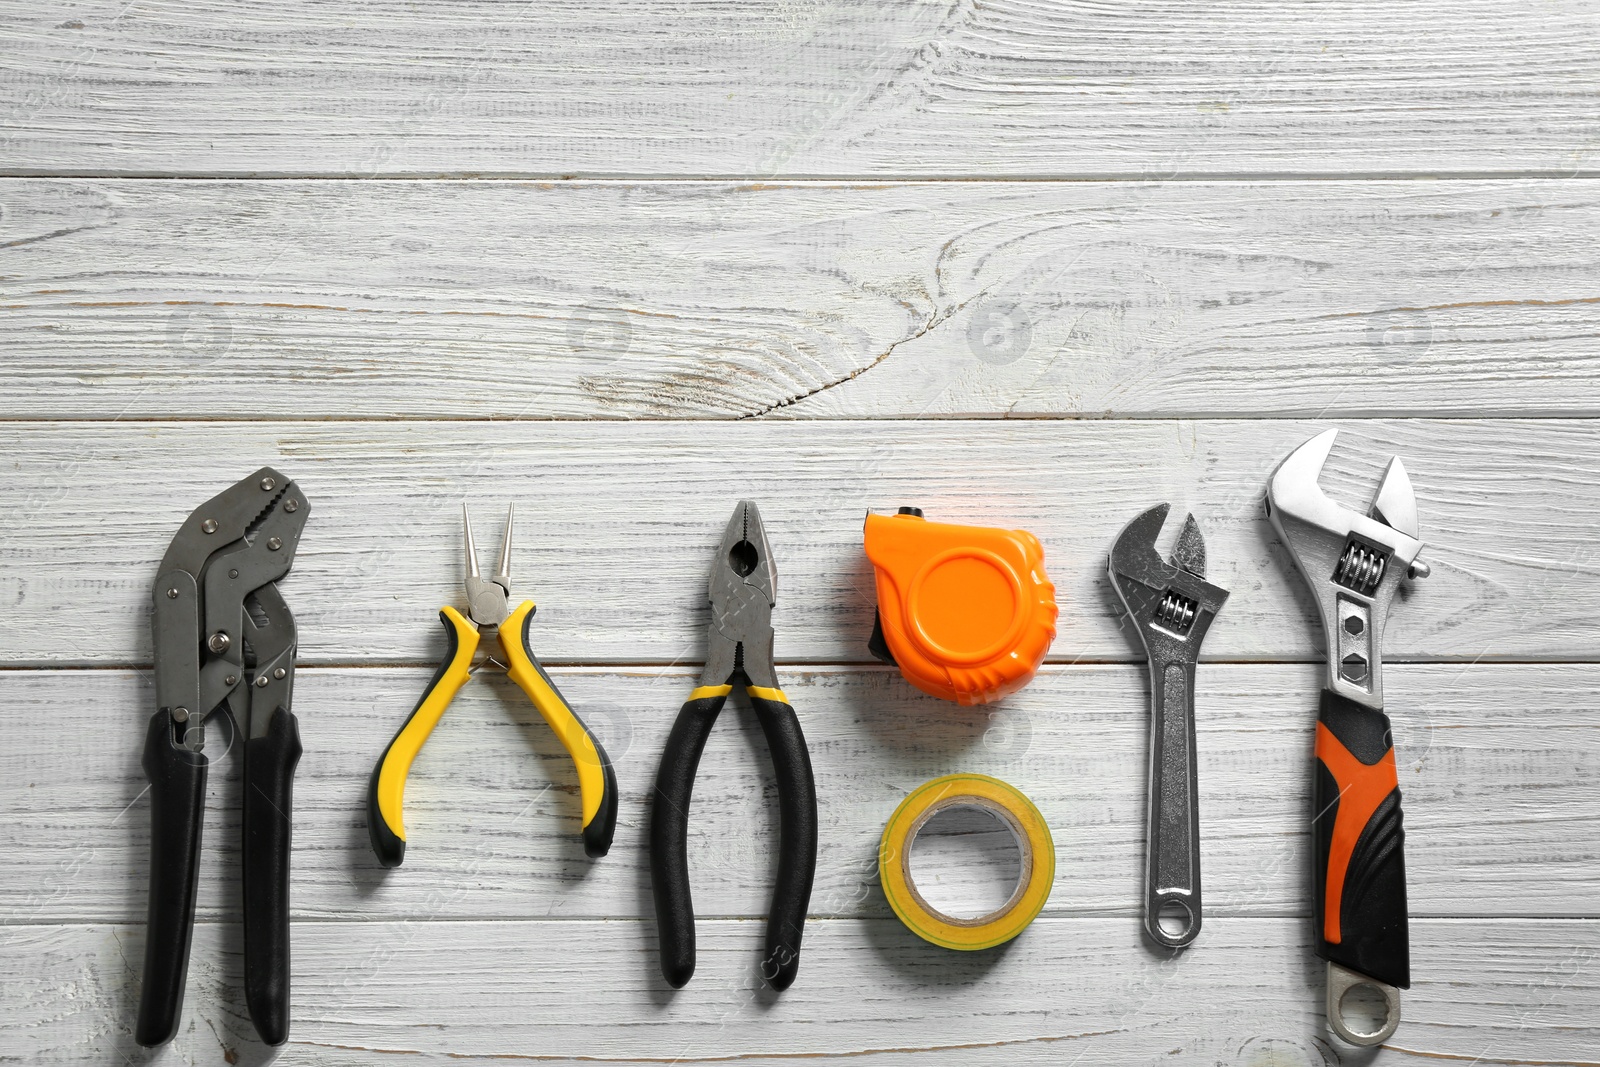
{"points": [[1172, 824]]}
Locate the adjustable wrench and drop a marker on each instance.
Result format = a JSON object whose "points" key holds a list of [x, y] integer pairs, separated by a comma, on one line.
{"points": [[1354, 564], [1171, 605]]}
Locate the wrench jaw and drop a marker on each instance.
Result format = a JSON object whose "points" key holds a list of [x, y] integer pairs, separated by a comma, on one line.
{"points": [[1169, 600], [1352, 563]]}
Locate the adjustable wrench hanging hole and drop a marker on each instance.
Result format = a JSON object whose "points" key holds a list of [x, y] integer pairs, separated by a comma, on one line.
{"points": [[1353, 667], [1353, 625], [1361, 1010], [1175, 920], [743, 558], [1364, 1015]]}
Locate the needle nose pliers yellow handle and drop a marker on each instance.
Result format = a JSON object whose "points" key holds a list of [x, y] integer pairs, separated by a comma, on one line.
{"points": [[487, 602]]}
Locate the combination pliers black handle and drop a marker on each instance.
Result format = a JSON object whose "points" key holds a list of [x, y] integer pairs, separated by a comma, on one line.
{"points": [[743, 583]]}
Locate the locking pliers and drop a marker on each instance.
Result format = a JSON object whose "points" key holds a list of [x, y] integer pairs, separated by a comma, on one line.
{"points": [[224, 641]]}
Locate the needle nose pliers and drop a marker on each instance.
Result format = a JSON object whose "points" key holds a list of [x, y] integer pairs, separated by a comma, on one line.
{"points": [[743, 590], [488, 605]]}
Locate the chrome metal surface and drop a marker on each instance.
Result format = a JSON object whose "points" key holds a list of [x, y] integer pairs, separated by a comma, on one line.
{"points": [[1352, 563], [1172, 607], [743, 590]]}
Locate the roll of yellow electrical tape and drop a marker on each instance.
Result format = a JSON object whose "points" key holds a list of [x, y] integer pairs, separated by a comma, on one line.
{"points": [[1014, 810]]}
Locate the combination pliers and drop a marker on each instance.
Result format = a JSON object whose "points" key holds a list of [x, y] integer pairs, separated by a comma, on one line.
{"points": [[743, 591], [224, 641], [488, 605]]}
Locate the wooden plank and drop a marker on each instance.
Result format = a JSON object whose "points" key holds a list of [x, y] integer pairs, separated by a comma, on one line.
{"points": [[1068, 990], [1497, 766], [618, 522], [132, 299], [800, 88]]}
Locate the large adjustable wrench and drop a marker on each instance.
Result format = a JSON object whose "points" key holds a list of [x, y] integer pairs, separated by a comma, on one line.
{"points": [[1171, 605], [1354, 564]]}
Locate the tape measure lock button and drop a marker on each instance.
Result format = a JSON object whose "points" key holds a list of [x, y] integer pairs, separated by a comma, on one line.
{"points": [[1013, 810]]}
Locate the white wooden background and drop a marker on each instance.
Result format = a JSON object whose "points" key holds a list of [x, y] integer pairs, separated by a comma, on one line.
{"points": [[625, 262]]}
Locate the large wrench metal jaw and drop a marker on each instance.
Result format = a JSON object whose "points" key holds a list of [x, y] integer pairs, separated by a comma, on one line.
{"points": [[1353, 563]]}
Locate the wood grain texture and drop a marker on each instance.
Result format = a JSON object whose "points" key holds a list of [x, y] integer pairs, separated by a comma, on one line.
{"points": [[247, 300], [800, 88], [844, 224], [618, 522], [1497, 767], [1067, 991]]}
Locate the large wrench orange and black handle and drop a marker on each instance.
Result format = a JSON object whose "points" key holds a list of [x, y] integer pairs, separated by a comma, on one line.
{"points": [[797, 844], [1360, 876]]}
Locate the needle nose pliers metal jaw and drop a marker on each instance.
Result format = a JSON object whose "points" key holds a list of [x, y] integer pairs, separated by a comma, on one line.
{"points": [[488, 607], [1353, 565], [224, 641], [743, 591]]}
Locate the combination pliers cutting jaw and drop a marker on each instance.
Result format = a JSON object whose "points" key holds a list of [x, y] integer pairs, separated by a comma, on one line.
{"points": [[224, 641], [489, 608], [743, 591], [1354, 565]]}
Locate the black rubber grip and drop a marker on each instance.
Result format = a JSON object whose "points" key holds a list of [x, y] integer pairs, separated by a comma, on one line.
{"points": [[797, 843], [598, 834], [669, 836], [177, 808], [269, 764], [1363, 858]]}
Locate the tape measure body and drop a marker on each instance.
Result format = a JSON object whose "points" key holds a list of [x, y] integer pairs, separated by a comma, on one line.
{"points": [[1014, 810], [965, 612]]}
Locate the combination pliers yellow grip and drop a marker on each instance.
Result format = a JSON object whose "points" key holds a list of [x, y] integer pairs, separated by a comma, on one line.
{"points": [[487, 602]]}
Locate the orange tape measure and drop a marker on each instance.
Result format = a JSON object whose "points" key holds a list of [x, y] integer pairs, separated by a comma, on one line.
{"points": [[965, 612]]}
